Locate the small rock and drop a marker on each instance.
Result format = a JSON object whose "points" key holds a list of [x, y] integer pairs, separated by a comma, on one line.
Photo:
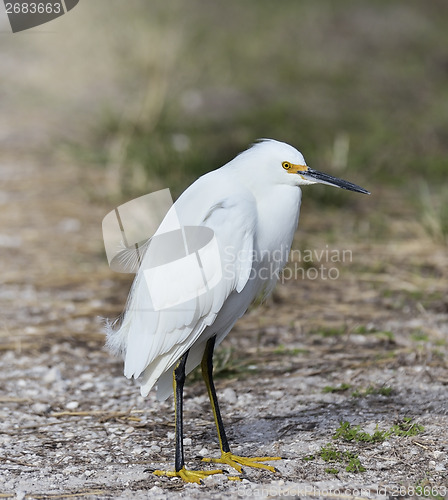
{"points": [[245, 400], [228, 395], [52, 375], [155, 490], [187, 441], [39, 408], [87, 386], [276, 394], [72, 405], [71, 470], [213, 480]]}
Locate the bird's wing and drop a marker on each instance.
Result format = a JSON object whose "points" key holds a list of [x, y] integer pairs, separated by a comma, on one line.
{"points": [[129, 259], [169, 308]]}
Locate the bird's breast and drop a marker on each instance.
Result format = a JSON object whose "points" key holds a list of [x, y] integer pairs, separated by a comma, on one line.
{"points": [[278, 216]]}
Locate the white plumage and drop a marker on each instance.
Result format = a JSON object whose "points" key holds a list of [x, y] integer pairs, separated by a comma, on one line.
{"points": [[252, 206]]}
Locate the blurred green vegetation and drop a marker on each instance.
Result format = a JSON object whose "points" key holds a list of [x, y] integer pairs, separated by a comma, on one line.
{"points": [[360, 87]]}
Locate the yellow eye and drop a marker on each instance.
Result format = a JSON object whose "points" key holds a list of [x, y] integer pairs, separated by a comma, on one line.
{"points": [[286, 165]]}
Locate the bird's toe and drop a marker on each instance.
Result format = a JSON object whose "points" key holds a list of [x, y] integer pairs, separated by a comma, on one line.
{"points": [[189, 476], [236, 461]]}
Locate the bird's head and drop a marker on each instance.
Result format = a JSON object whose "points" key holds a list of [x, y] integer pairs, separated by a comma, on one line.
{"points": [[284, 164]]}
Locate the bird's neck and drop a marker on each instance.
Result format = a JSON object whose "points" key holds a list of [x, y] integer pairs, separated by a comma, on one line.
{"points": [[278, 215]]}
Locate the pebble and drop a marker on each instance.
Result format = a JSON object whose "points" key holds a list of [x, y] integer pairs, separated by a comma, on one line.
{"points": [[276, 394], [71, 470], [52, 375], [20, 495], [228, 395], [155, 490], [39, 408], [245, 400], [72, 405]]}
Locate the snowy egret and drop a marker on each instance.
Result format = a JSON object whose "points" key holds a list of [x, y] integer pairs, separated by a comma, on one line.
{"points": [[178, 313]]}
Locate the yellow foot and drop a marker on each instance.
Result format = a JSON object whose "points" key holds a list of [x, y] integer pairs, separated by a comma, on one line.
{"points": [[189, 476], [235, 461]]}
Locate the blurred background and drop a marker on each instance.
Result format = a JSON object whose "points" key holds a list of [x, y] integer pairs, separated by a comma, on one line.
{"points": [[157, 94], [118, 99], [115, 100]]}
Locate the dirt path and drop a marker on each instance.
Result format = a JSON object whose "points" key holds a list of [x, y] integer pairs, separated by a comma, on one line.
{"points": [[71, 424]]}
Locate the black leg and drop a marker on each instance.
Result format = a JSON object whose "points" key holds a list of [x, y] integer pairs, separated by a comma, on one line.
{"points": [[207, 373], [178, 382], [180, 471], [227, 457]]}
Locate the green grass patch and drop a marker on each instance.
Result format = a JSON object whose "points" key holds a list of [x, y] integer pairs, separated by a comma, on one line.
{"points": [[347, 432], [340, 388], [404, 428], [329, 332], [354, 464], [407, 428], [381, 334], [284, 351], [386, 335], [419, 336], [331, 454], [332, 470], [362, 330], [372, 391]]}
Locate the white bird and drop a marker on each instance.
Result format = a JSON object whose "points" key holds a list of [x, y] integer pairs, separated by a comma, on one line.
{"points": [[178, 312]]}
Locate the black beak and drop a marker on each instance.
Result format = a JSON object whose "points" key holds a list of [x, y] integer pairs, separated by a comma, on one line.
{"points": [[322, 178]]}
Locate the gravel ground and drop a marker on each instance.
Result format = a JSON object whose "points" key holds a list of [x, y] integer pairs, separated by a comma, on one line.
{"points": [[72, 426]]}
